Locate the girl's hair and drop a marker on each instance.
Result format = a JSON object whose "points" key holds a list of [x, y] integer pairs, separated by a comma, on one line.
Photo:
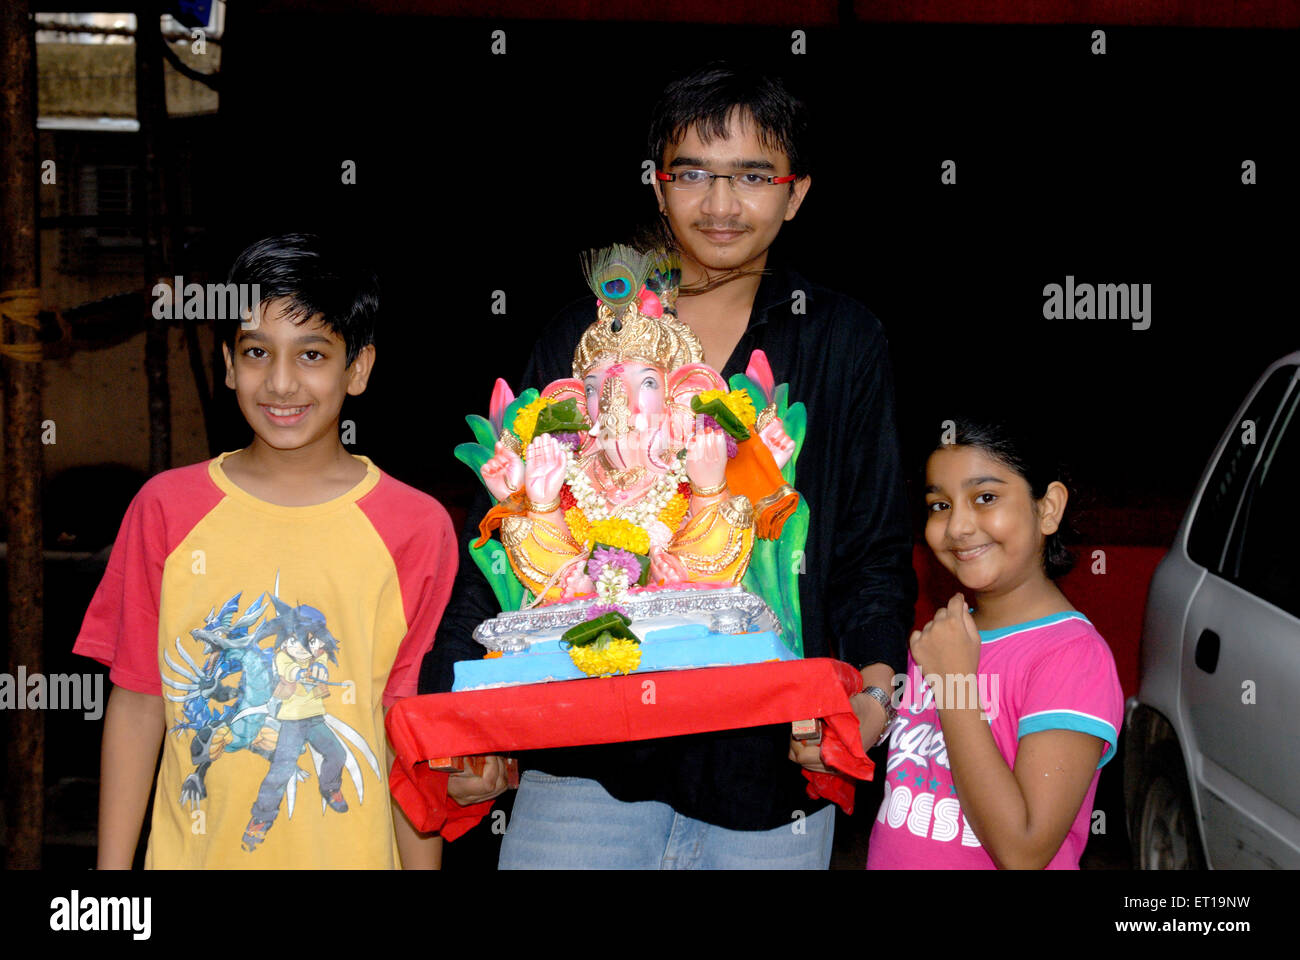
{"points": [[1023, 450]]}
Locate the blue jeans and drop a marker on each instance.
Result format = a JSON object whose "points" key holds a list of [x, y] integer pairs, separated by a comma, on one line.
{"points": [[562, 823]]}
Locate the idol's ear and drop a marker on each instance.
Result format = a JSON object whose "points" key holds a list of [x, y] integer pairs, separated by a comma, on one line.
{"points": [[685, 382], [568, 389]]}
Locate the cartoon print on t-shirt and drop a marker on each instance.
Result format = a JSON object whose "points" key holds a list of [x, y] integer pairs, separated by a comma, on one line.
{"points": [[276, 710], [229, 651]]}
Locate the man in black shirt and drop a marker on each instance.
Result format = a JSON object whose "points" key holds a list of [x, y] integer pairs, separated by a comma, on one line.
{"points": [[731, 173]]}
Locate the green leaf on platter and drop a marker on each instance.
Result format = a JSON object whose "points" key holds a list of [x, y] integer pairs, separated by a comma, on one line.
{"points": [[727, 420], [482, 428], [612, 625], [517, 404], [490, 558], [740, 381]]}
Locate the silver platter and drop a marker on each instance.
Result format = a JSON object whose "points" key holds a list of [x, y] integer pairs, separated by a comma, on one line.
{"points": [[734, 609]]}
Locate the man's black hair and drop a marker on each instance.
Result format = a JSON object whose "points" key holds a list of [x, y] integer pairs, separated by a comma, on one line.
{"points": [[316, 278], [706, 99]]}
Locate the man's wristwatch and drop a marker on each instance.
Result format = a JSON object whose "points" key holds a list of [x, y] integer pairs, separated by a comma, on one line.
{"points": [[882, 698]]}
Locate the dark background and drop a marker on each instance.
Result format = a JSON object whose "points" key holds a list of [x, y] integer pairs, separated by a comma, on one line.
{"points": [[478, 173]]}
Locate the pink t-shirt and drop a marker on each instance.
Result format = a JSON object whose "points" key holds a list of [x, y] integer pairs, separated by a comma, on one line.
{"points": [[1055, 673]]}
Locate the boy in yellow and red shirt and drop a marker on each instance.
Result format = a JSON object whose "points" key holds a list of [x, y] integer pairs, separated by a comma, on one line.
{"points": [[267, 606]]}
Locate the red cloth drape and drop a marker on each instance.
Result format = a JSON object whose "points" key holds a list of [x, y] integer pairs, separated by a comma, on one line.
{"points": [[642, 706]]}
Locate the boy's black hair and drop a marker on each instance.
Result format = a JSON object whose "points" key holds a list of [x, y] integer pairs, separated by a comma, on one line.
{"points": [[317, 278], [707, 97], [1029, 453]]}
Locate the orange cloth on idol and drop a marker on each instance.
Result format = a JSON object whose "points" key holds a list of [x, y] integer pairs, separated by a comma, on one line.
{"points": [[753, 473], [492, 519]]}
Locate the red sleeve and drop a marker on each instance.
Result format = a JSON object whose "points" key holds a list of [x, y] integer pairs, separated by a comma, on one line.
{"points": [[121, 625], [419, 536]]}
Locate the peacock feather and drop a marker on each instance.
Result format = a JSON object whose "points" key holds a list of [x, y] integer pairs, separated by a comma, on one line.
{"points": [[616, 274], [665, 271]]}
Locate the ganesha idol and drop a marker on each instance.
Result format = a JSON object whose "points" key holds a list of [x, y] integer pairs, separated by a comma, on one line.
{"points": [[629, 496]]}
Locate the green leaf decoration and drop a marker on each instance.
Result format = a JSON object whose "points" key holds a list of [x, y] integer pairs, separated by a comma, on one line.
{"points": [[561, 417], [492, 561], [773, 574], [606, 627], [795, 422], [474, 455], [482, 428], [726, 419], [780, 397]]}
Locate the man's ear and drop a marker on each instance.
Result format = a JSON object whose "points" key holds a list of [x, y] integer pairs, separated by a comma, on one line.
{"points": [[659, 196], [359, 372], [795, 199], [230, 366], [1051, 507]]}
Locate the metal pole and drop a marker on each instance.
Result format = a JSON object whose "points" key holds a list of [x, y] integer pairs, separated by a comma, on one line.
{"points": [[151, 110], [19, 304]]}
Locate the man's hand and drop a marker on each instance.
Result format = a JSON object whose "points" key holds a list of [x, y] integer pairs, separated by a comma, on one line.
{"points": [[870, 714], [467, 789]]}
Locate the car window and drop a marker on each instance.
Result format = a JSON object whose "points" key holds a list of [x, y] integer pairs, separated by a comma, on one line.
{"points": [[1207, 540], [1265, 559]]}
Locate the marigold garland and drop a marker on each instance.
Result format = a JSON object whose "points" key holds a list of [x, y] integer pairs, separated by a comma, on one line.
{"points": [[738, 402], [616, 656], [672, 515], [579, 528], [621, 533], [526, 420]]}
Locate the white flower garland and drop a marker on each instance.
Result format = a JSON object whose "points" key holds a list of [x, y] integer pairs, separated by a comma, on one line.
{"points": [[642, 514]]}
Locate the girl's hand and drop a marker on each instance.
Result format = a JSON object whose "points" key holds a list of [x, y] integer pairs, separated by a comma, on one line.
{"points": [[948, 645], [706, 458], [544, 469]]}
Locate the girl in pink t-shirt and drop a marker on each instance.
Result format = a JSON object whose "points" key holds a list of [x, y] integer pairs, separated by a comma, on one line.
{"points": [[1011, 706]]}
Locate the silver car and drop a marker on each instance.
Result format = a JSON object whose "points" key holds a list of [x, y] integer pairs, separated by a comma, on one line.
{"points": [[1212, 740]]}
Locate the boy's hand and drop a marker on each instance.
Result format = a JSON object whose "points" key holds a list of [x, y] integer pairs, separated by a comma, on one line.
{"points": [[949, 645], [467, 789]]}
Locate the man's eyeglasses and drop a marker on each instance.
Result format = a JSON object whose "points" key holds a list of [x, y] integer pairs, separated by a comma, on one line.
{"points": [[701, 180]]}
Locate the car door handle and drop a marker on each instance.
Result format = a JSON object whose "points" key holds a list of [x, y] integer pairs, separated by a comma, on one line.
{"points": [[1207, 651]]}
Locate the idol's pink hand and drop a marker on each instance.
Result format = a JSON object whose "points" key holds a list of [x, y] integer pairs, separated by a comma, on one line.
{"points": [[665, 568], [706, 458], [504, 473], [544, 470], [576, 581], [778, 442]]}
